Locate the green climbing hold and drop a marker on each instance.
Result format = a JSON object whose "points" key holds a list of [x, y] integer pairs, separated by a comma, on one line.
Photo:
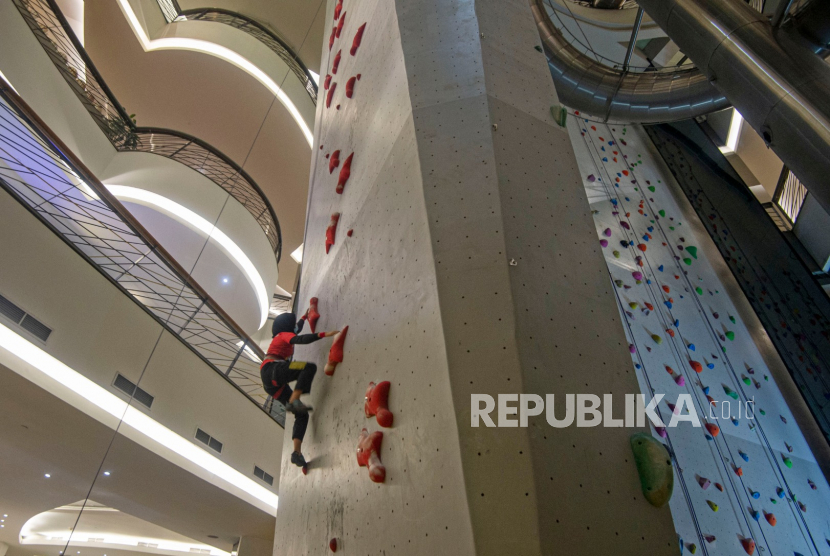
{"points": [[618, 283], [671, 228], [560, 114], [731, 393], [538, 48], [693, 548], [699, 290], [692, 251], [746, 380], [788, 462], [661, 212], [688, 261], [730, 335], [762, 412], [651, 188], [633, 305], [655, 469], [731, 318], [657, 339], [616, 254]]}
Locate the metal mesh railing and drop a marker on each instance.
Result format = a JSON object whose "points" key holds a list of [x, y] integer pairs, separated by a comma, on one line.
{"points": [[263, 35], [170, 9], [789, 194], [38, 170], [60, 43]]}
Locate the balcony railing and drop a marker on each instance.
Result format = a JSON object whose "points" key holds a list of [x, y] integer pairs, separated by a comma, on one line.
{"points": [[789, 195], [47, 178], [57, 38], [260, 33]]}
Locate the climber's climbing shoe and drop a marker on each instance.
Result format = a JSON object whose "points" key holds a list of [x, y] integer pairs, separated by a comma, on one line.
{"points": [[298, 459], [297, 407]]}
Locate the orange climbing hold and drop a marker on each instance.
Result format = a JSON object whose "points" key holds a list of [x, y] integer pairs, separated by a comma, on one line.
{"points": [[345, 172], [334, 161], [368, 455], [666, 289], [642, 247], [313, 314], [377, 403], [713, 429], [336, 351], [697, 367], [749, 546], [358, 37], [340, 24], [770, 518], [331, 231]]}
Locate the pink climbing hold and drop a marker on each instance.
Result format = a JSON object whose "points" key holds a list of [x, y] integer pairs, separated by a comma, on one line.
{"points": [[336, 63], [662, 432], [632, 348], [313, 314], [368, 455], [333, 545], [345, 172], [358, 37], [339, 28], [330, 94], [377, 403], [334, 161], [704, 483], [350, 87], [336, 351], [680, 380], [637, 275], [331, 231]]}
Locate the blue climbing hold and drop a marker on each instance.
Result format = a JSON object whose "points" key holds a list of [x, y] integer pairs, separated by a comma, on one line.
{"points": [[743, 455], [710, 365], [692, 347], [660, 268]]}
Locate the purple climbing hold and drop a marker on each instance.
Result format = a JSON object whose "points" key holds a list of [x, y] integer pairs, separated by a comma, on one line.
{"points": [[603, 242], [607, 232], [632, 348], [592, 178], [637, 275]]}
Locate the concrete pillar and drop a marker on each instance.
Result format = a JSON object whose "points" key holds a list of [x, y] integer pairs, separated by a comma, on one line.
{"points": [[459, 172]]}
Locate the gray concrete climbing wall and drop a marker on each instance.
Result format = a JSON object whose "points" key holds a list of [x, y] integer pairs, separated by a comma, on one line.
{"points": [[458, 169]]}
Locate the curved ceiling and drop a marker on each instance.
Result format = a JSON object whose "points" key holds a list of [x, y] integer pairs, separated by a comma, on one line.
{"points": [[218, 102]]}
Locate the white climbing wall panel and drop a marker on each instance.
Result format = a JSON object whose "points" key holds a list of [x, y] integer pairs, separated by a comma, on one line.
{"points": [[458, 168], [680, 312]]}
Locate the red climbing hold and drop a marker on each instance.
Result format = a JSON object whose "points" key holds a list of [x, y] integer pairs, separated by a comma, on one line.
{"points": [[336, 63], [339, 28], [313, 314], [330, 94], [345, 172], [377, 403], [350, 232], [350, 87], [666, 289], [334, 161], [368, 455], [770, 518], [337, 8], [331, 38], [336, 351], [357, 38], [749, 546], [331, 231], [739, 471], [642, 247], [698, 368], [333, 542], [327, 82], [713, 429]]}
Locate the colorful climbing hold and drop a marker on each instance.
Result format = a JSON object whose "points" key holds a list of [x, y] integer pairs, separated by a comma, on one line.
{"points": [[654, 467]]}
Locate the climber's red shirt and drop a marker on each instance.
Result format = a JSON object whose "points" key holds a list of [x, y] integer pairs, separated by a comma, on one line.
{"points": [[282, 346]]}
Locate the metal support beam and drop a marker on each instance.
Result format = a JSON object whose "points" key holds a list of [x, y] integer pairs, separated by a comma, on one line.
{"points": [[634, 31]]}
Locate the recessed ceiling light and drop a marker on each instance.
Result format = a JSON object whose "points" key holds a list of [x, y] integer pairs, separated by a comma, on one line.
{"points": [[106, 474], [225, 280], [5, 515], [47, 475]]}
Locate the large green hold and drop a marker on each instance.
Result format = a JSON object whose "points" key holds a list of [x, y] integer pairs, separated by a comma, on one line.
{"points": [[688, 261], [692, 250], [655, 469]]}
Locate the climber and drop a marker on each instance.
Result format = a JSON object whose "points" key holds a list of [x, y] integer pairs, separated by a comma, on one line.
{"points": [[277, 371]]}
